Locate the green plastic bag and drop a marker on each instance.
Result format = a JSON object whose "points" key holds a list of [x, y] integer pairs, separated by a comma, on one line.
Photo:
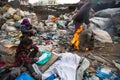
{"points": [[44, 58]]}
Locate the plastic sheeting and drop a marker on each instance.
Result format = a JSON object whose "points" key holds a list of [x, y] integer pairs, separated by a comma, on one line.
{"points": [[80, 71], [65, 67], [102, 36], [108, 13], [103, 23]]}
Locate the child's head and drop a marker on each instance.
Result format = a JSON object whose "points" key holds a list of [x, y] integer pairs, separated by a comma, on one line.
{"points": [[25, 43], [25, 22]]}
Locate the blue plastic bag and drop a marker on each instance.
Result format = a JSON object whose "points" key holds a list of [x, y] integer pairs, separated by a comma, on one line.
{"points": [[24, 76], [103, 75], [52, 77], [118, 78]]}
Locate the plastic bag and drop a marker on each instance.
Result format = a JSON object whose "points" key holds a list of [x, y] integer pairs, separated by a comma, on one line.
{"points": [[108, 13], [102, 23], [40, 27], [54, 19], [17, 17], [8, 28], [104, 73], [17, 24], [51, 26], [52, 77], [62, 24], [11, 11], [80, 71], [6, 15], [93, 78], [117, 78], [45, 47], [44, 58], [20, 12], [24, 76], [50, 17], [102, 36], [5, 8]]}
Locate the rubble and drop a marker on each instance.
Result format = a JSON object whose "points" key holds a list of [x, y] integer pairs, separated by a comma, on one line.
{"points": [[55, 34]]}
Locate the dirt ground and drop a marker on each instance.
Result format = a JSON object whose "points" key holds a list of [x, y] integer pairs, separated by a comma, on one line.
{"points": [[108, 52]]}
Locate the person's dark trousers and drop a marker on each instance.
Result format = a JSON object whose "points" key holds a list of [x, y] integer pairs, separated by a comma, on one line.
{"points": [[29, 66], [11, 75]]}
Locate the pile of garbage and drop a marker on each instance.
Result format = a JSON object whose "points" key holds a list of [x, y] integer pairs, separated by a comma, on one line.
{"points": [[13, 17], [10, 22], [54, 35], [56, 31]]}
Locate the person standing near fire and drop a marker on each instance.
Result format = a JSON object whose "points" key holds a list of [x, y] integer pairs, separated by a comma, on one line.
{"points": [[81, 17]]}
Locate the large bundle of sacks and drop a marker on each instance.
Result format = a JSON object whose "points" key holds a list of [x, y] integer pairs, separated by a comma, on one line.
{"points": [[107, 20]]}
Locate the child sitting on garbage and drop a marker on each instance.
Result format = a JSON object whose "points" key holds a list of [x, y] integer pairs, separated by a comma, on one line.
{"points": [[27, 29], [26, 52], [25, 56]]}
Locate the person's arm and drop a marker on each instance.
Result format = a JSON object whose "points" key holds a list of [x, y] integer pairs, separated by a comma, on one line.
{"points": [[31, 29], [26, 59], [34, 47], [23, 29]]}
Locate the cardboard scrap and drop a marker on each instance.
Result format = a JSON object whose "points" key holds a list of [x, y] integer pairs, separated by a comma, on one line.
{"points": [[53, 58]]}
